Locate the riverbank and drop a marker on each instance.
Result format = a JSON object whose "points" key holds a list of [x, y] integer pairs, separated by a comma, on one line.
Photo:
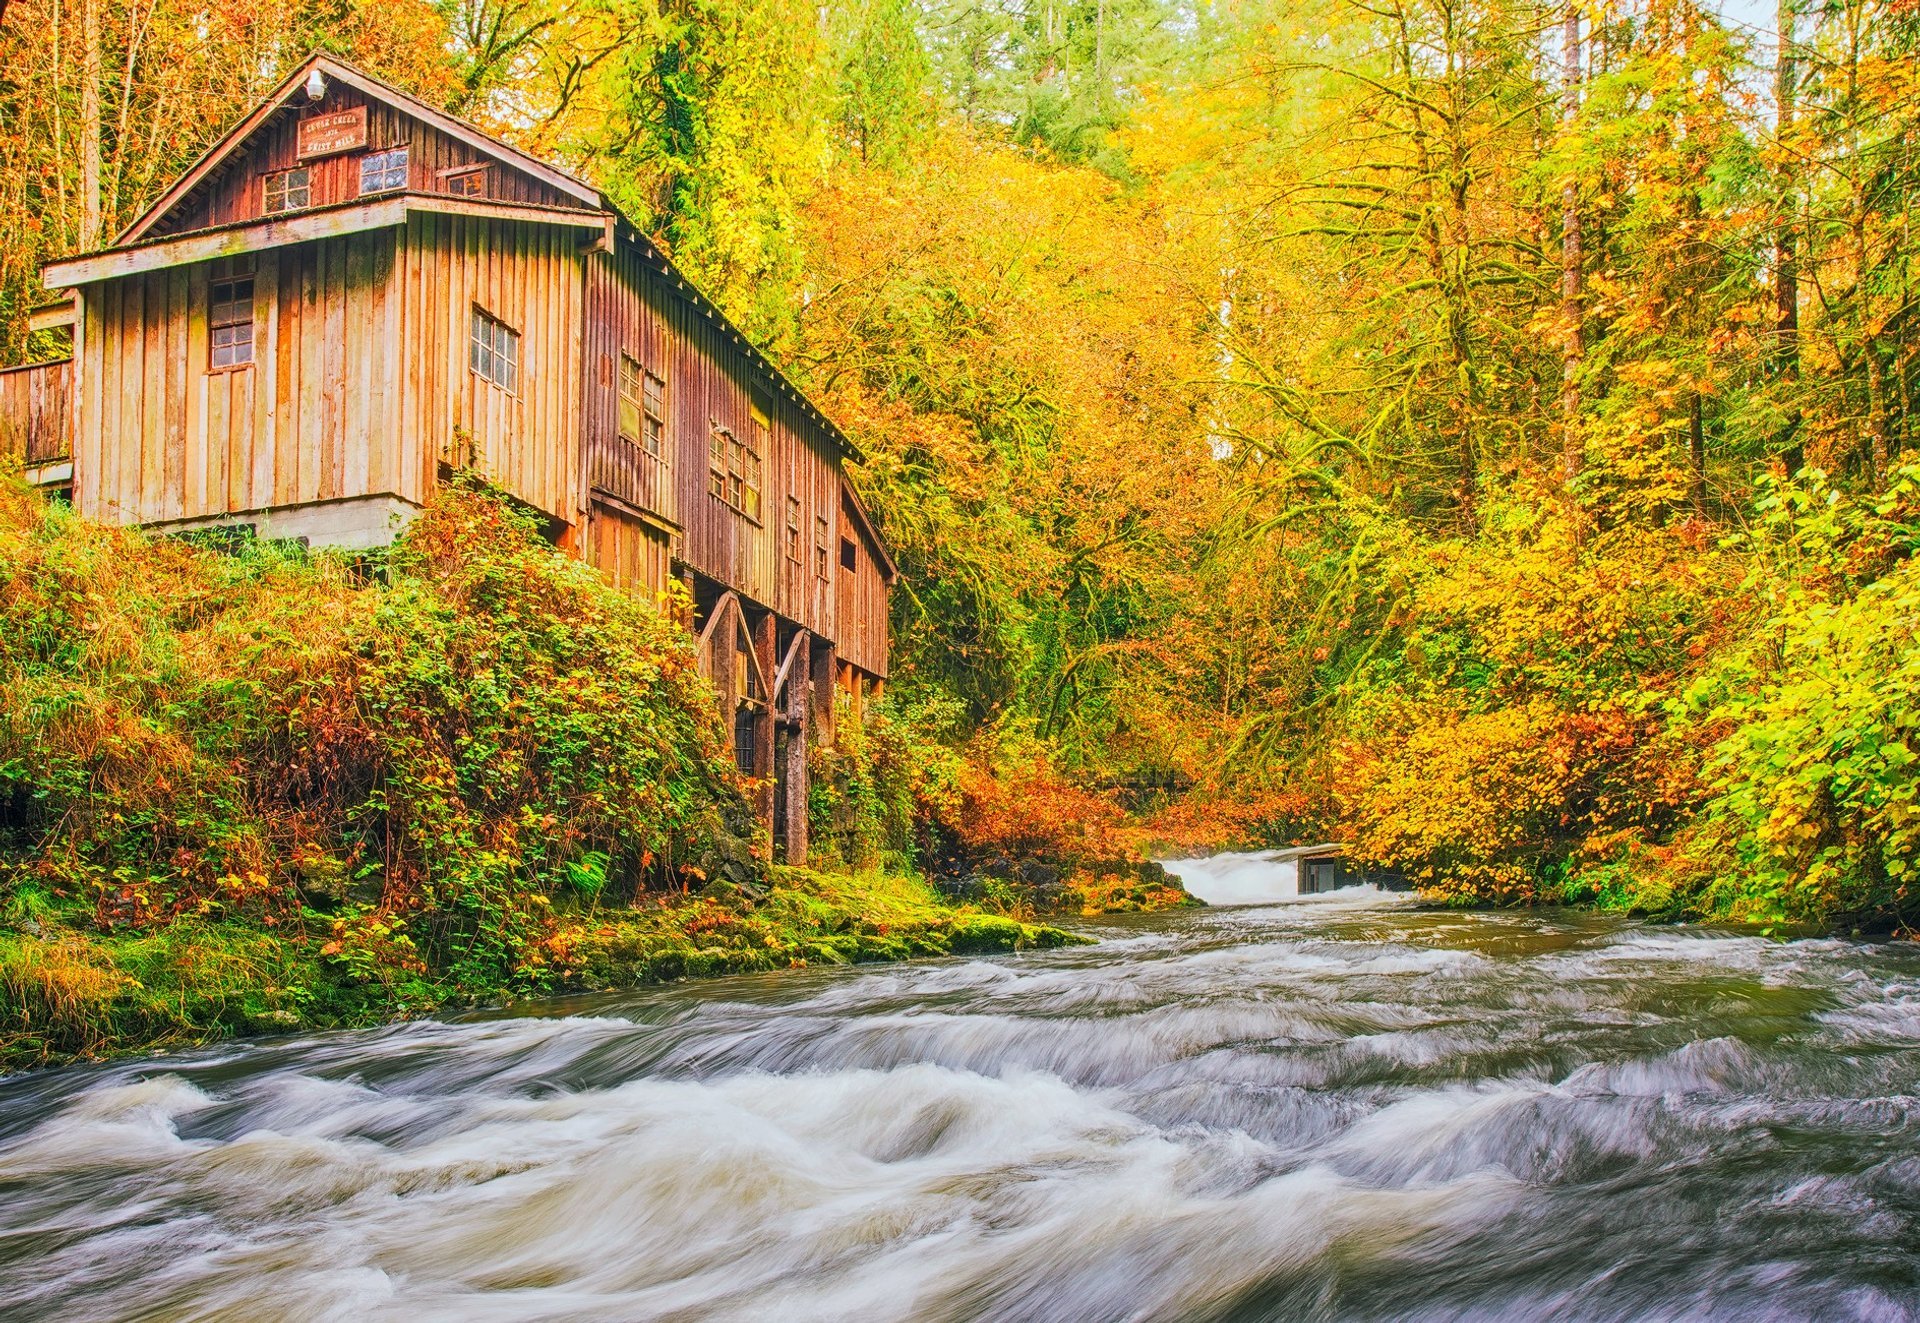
{"points": [[245, 789], [1292, 1111], [69, 992]]}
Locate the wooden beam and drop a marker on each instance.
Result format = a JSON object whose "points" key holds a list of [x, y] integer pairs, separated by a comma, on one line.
{"points": [[298, 227], [321, 223], [729, 600], [443, 205], [799, 733], [53, 316], [764, 634], [786, 662], [825, 663]]}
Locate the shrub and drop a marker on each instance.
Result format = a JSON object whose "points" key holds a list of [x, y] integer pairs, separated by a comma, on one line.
{"points": [[282, 739]]}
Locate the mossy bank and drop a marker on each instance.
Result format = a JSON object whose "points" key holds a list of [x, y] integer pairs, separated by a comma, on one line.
{"points": [[251, 789]]}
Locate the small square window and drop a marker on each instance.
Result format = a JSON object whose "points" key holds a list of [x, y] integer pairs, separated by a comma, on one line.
{"points": [[849, 555], [289, 190], [468, 182], [381, 172]]}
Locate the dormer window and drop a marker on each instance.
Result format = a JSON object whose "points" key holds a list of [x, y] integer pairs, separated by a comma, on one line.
{"points": [[289, 190], [383, 171]]}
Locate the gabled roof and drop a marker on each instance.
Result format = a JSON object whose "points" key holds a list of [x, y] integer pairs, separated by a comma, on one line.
{"points": [[278, 100], [282, 98]]}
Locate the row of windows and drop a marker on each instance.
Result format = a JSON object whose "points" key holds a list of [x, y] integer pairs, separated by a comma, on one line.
{"points": [[380, 172]]}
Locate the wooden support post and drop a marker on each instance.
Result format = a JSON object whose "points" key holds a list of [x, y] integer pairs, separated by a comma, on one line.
{"points": [[799, 728], [686, 579], [765, 635], [716, 618], [824, 665]]}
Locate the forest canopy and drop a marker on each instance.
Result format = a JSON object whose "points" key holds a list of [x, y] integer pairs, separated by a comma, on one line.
{"points": [[1476, 430]]}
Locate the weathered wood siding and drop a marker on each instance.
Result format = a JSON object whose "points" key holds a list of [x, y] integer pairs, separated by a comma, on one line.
{"points": [[862, 596], [635, 309], [806, 467], [237, 194], [529, 277], [36, 412], [630, 553], [622, 319], [164, 436]]}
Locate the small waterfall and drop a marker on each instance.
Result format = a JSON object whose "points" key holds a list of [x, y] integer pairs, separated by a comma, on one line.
{"points": [[1256, 878]]}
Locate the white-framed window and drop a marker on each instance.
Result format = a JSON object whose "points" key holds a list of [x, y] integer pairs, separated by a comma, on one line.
{"points": [[230, 313], [288, 190], [381, 172], [494, 352], [793, 528], [819, 546]]}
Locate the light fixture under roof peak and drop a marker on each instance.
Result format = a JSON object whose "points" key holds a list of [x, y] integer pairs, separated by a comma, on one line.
{"points": [[316, 84]]}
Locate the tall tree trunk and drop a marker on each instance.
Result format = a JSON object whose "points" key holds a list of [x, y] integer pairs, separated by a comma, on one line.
{"points": [[90, 211], [1786, 287], [1570, 266], [1879, 419], [1100, 54], [1697, 454]]}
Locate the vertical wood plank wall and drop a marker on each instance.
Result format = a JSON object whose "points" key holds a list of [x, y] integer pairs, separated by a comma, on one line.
{"points": [[628, 552], [36, 412], [633, 309], [528, 276], [163, 436], [862, 597]]}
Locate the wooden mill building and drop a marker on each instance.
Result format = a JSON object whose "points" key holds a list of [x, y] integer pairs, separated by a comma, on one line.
{"points": [[352, 294]]}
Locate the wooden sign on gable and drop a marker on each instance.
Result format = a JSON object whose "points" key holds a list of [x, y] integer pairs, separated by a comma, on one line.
{"points": [[332, 133]]}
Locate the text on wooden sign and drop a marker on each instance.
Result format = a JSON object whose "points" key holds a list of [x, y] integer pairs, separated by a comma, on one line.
{"points": [[333, 133]]}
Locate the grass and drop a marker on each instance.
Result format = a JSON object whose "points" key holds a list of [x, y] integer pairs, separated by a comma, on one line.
{"points": [[68, 991]]}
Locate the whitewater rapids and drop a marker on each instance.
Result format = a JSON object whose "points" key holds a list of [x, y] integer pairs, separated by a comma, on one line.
{"points": [[1300, 1111]]}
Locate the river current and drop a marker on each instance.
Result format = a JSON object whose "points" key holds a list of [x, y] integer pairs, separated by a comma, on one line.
{"points": [[1341, 1107]]}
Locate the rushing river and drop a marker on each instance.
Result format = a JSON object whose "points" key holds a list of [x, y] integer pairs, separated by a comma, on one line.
{"points": [[1335, 1108]]}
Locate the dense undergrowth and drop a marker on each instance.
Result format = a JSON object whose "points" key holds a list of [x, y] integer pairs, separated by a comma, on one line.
{"points": [[1671, 719], [253, 791]]}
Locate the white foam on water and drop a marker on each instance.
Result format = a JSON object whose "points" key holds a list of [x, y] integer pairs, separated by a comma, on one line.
{"points": [[1255, 878], [1334, 1107]]}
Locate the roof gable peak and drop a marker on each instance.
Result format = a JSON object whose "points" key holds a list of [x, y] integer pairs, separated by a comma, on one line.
{"points": [[284, 96]]}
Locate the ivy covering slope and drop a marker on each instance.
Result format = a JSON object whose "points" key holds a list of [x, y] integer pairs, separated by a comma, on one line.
{"points": [[262, 790]]}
